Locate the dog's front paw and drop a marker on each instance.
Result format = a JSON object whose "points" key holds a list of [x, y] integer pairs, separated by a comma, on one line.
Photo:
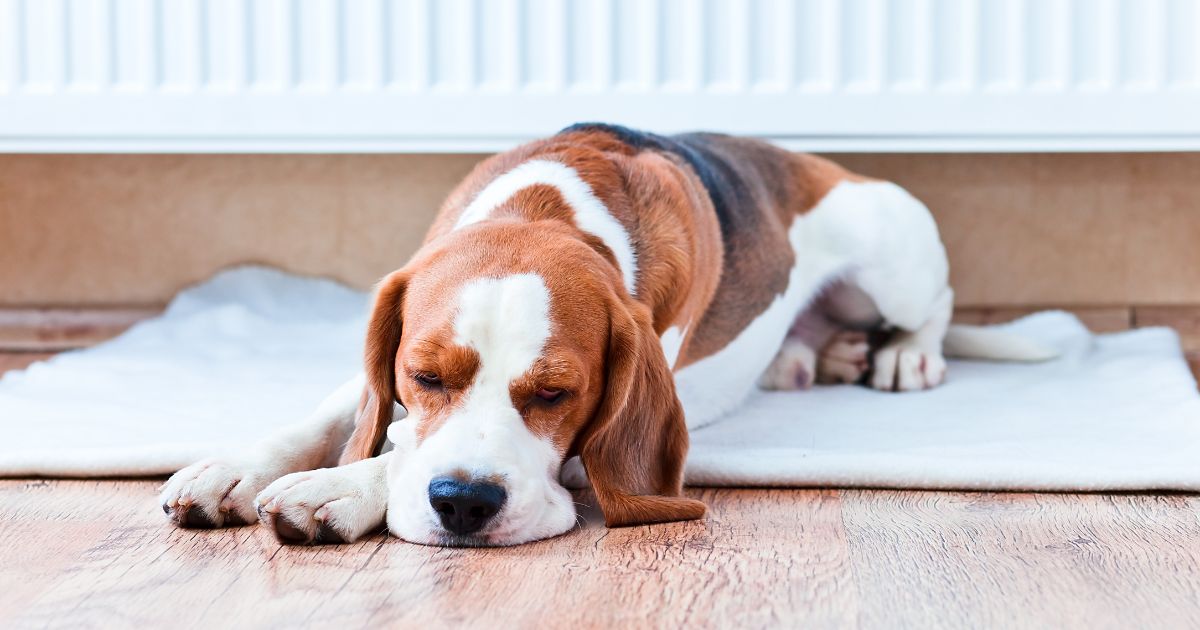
{"points": [[329, 505], [214, 493]]}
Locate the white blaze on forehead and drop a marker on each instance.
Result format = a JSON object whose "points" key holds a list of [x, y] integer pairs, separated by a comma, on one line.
{"points": [[590, 214], [506, 321]]}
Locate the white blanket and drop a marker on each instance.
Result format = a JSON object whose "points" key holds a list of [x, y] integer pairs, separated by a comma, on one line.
{"points": [[254, 349]]}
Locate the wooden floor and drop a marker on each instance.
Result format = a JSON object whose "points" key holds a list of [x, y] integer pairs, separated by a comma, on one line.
{"points": [[76, 554]]}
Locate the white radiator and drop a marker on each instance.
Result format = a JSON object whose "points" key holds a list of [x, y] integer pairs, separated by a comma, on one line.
{"points": [[468, 75]]}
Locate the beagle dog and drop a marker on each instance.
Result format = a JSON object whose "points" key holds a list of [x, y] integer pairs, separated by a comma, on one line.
{"points": [[596, 294]]}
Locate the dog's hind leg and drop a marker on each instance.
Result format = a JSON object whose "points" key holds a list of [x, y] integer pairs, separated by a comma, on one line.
{"points": [[846, 358], [828, 343], [892, 275], [795, 365], [902, 268], [913, 360]]}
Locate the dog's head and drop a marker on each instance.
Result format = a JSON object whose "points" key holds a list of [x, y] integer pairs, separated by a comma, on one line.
{"points": [[514, 346]]}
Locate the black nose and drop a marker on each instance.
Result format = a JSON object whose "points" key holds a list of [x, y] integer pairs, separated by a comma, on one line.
{"points": [[465, 507]]}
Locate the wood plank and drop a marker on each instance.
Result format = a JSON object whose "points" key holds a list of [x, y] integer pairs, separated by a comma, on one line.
{"points": [[1098, 319], [20, 360], [782, 552], [968, 560], [30, 570], [732, 569], [1184, 319], [50, 329], [99, 554]]}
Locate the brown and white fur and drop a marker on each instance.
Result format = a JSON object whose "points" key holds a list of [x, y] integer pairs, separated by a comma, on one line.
{"points": [[597, 294]]}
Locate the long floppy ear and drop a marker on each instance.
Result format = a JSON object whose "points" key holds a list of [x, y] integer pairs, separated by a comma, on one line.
{"points": [[383, 340], [635, 446]]}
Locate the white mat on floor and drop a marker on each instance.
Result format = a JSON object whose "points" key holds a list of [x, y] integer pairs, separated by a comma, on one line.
{"points": [[254, 349]]}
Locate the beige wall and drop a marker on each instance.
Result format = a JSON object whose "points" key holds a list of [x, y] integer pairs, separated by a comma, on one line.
{"points": [[126, 229], [132, 229], [1086, 229]]}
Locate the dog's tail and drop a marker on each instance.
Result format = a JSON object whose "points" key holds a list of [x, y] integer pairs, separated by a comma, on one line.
{"points": [[987, 342]]}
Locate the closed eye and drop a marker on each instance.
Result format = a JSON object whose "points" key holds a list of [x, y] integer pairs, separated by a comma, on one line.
{"points": [[549, 395], [428, 379]]}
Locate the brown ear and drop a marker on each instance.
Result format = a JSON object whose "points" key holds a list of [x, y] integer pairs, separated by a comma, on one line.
{"points": [[635, 446], [383, 340]]}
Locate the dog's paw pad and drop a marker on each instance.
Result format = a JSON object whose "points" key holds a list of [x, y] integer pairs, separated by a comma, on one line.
{"points": [[793, 368], [905, 368], [190, 516], [288, 533], [845, 359]]}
